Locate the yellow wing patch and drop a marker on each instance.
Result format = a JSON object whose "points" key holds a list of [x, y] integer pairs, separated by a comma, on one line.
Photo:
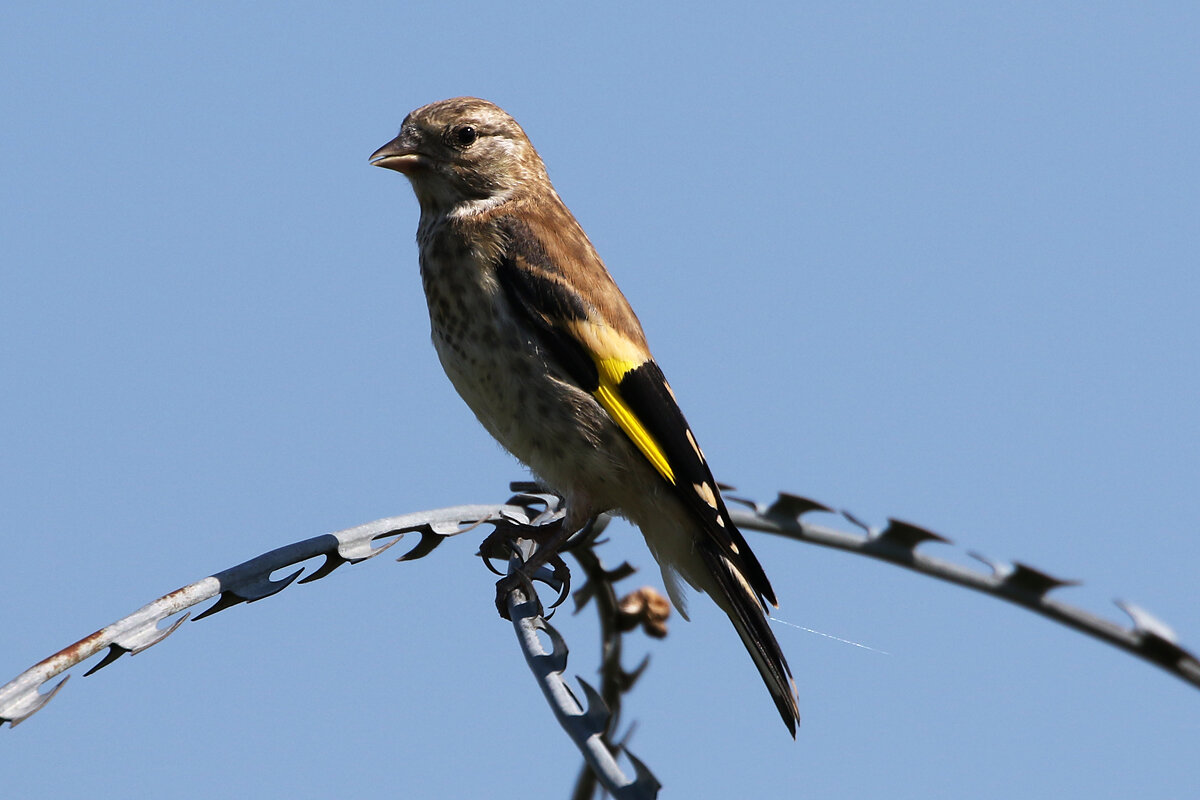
{"points": [[611, 371], [616, 356]]}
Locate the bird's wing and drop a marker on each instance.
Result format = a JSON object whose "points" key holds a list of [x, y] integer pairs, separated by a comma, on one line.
{"points": [[618, 370]]}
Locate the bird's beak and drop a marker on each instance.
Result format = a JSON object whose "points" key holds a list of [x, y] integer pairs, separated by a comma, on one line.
{"points": [[399, 154]]}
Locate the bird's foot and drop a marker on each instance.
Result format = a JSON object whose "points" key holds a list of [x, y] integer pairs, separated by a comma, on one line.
{"points": [[532, 552]]}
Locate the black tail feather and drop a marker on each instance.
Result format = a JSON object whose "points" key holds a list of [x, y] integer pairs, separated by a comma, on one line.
{"points": [[742, 604]]}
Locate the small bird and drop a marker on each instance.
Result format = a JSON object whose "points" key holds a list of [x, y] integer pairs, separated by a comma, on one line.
{"points": [[538, 340]]}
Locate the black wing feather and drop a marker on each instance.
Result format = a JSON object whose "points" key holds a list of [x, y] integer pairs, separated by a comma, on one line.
{"points": [[645, 390]]}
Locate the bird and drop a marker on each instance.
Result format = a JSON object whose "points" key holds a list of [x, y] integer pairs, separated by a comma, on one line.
{"points": [[541, 344]]}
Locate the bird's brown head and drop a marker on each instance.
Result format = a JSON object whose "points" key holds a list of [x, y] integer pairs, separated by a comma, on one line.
{"points": [[462, 151]]}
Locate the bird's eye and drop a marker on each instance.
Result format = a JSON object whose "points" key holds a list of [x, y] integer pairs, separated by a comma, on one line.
{"points": [[465, 135]]}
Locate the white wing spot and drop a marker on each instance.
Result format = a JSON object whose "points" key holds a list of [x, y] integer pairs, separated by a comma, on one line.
{"points": [[692, 441], [706, 493]]}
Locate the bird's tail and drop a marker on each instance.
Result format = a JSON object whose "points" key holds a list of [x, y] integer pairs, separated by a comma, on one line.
{"points": [[738, 599]]}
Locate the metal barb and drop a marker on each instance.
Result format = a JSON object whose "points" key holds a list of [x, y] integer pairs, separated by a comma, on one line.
{"points": [[794, 506], [1034, 580], [1157, 639], [907, 535]]}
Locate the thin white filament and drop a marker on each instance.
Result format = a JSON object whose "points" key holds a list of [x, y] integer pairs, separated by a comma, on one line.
{"points": [[829, 636]]}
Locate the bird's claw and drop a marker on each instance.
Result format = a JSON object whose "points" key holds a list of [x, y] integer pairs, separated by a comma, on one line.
{"points": [[559, 579], [510, 583]]}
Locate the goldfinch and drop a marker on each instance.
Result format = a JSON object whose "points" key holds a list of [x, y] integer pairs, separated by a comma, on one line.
{"points": [[541, 344]]}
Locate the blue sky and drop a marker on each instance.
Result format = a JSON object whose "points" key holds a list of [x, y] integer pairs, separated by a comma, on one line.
{"points": [[930, 261]]}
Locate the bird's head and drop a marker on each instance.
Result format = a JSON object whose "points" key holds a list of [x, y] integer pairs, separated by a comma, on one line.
{"points": [[462, 153]]}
